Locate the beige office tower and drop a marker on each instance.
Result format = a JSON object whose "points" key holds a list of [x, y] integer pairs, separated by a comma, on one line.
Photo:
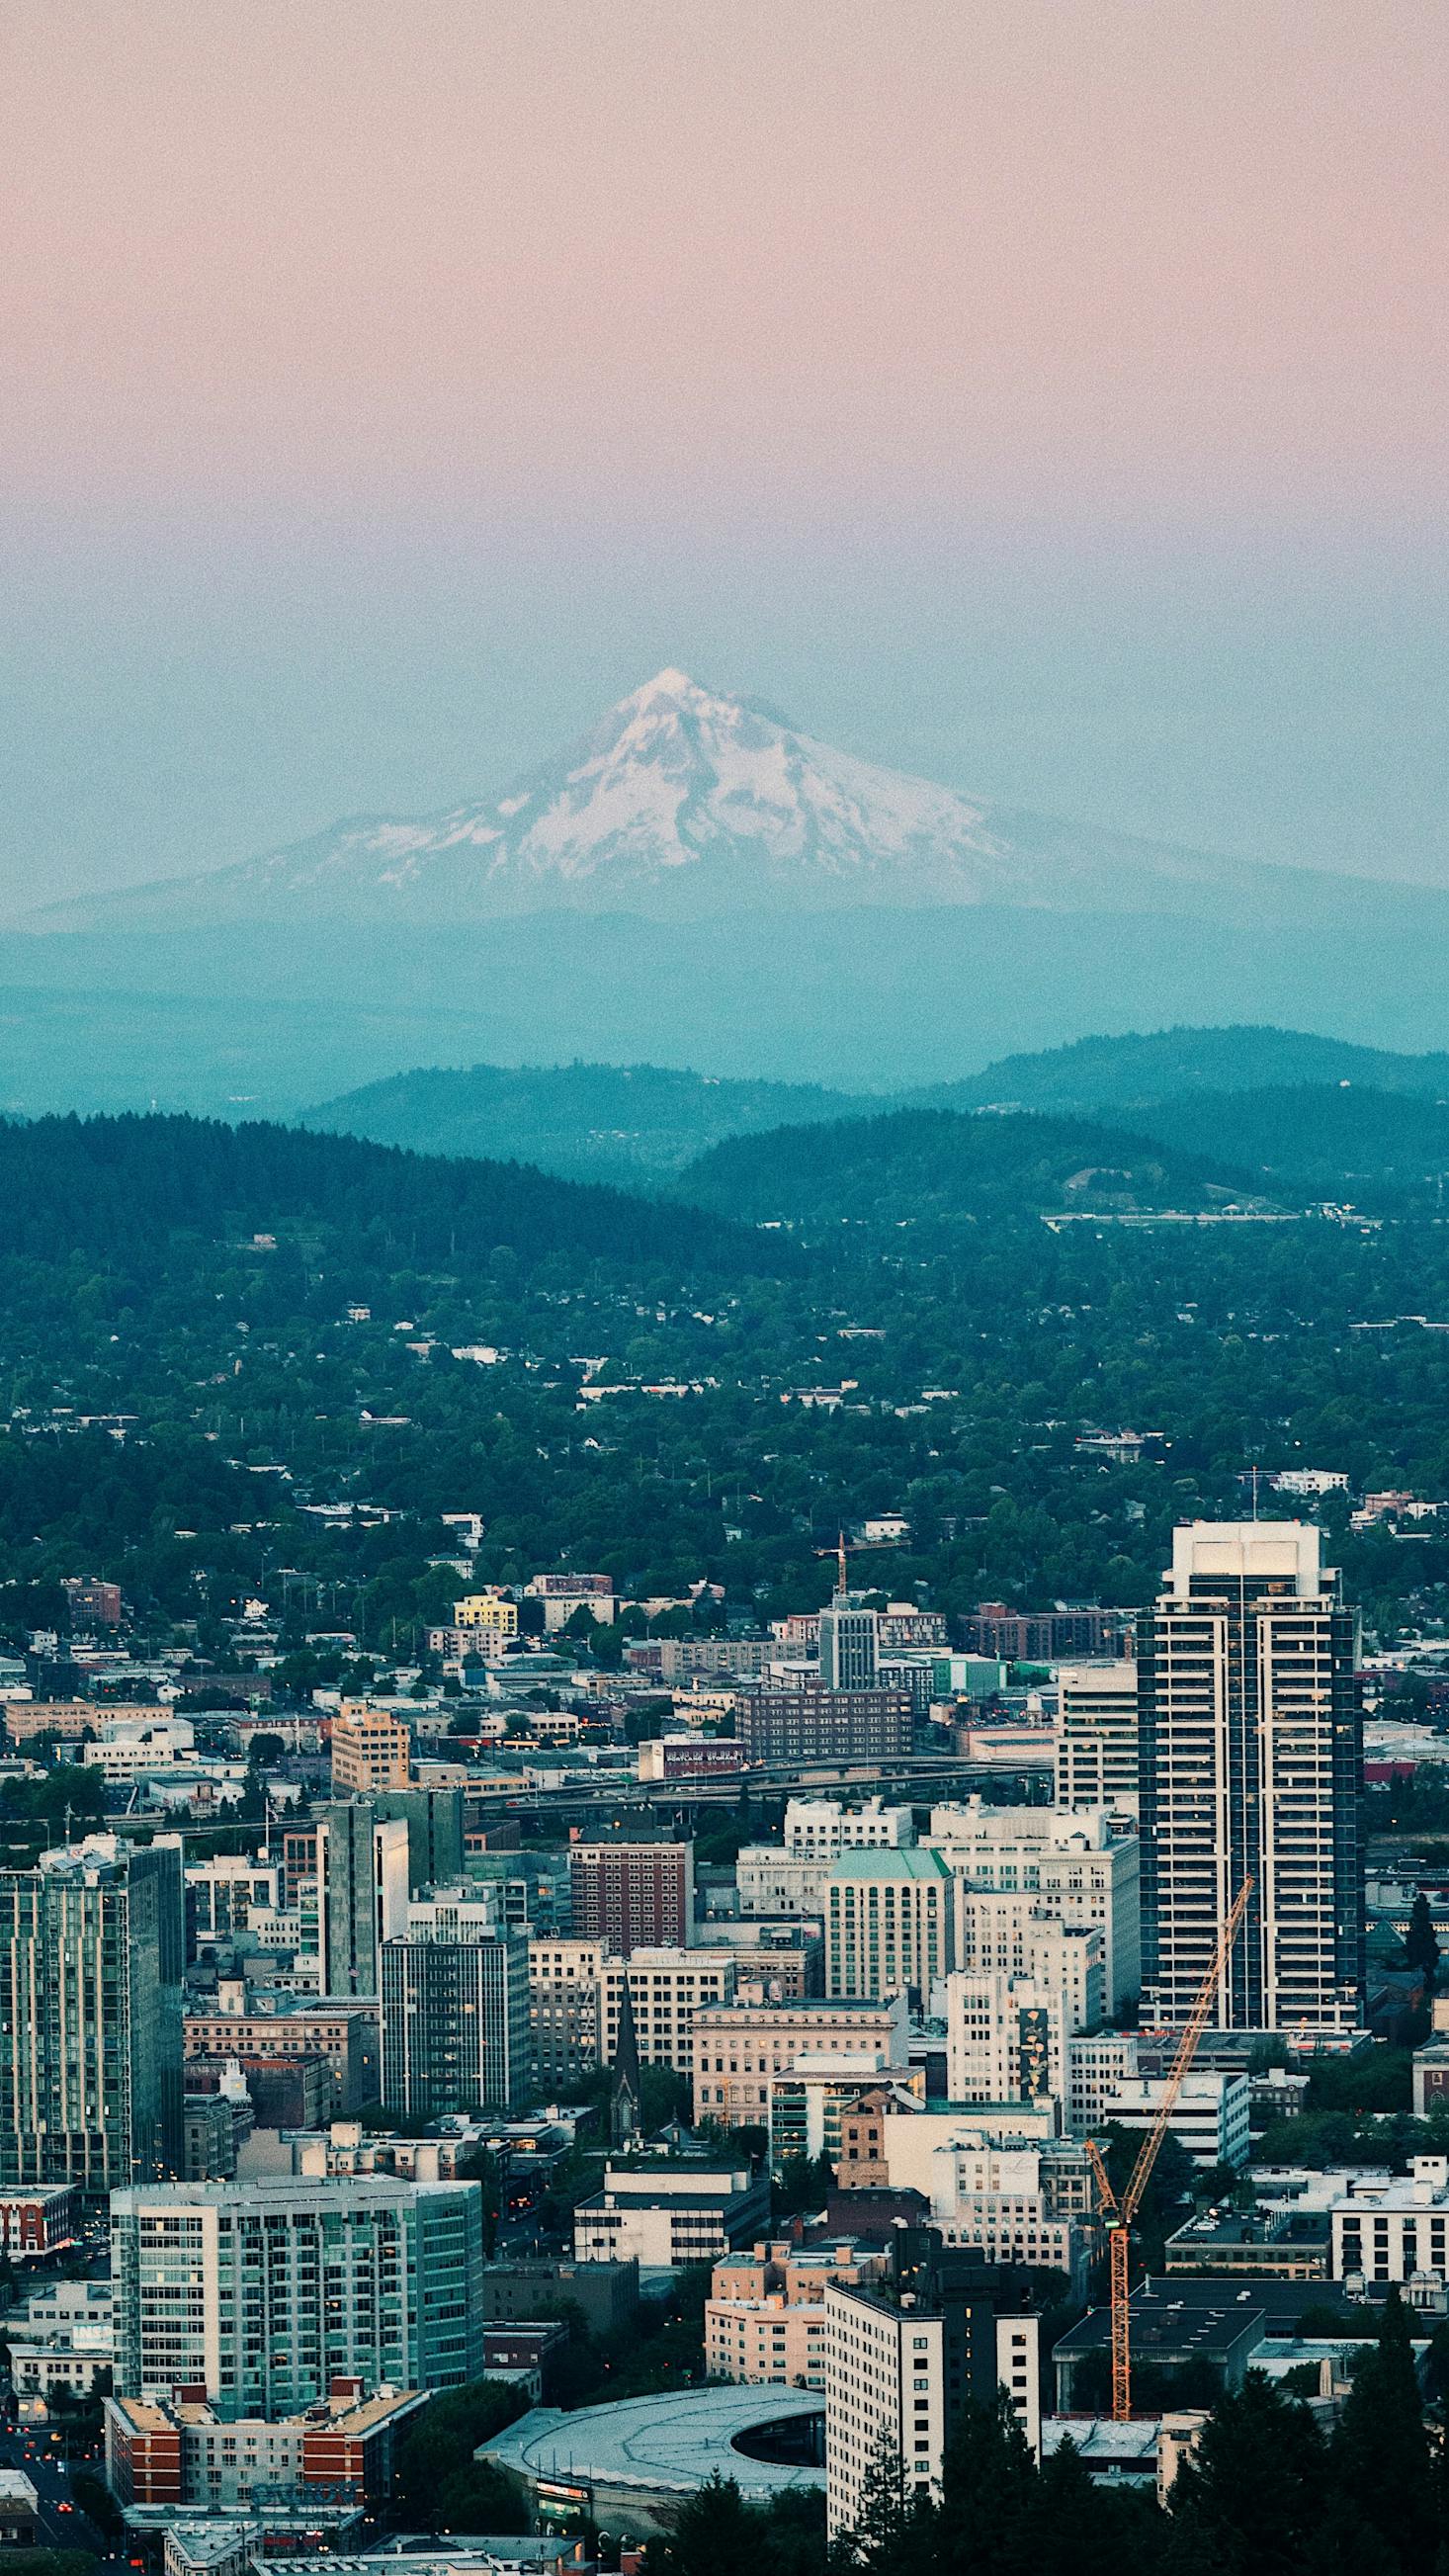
{"points": [[885, 2401], [1097, 1736], [1250, 1753]]}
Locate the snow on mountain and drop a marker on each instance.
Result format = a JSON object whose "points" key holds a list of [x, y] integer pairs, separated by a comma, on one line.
{"points": [[680, 803]]}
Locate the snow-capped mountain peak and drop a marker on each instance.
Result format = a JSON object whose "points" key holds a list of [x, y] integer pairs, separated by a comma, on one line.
{"points": [[681, 801]]}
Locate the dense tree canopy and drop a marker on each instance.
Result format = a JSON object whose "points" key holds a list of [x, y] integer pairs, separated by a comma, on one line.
{"points": [[230, 1383]]}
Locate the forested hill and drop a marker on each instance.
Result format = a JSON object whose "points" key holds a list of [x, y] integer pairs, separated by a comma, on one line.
{"points": [[1293, 1109], [120, 1187], [916, 1165], [630, 1123], [1118, 1075], [1329, 1140]]}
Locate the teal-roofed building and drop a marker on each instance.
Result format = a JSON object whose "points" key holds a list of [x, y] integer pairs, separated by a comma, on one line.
{"points": [[890, 1924]]}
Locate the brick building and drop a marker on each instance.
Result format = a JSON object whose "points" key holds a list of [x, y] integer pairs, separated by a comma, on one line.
{"points": [[179, 2451], [807, 1723], [633, 1896]]}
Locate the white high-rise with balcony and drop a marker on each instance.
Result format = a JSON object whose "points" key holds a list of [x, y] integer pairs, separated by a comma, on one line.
{"points": [[1097, 1735], [1250, 1755]]}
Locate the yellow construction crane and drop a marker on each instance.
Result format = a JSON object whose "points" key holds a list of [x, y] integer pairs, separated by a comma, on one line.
{"points": [[1120, 2214]]}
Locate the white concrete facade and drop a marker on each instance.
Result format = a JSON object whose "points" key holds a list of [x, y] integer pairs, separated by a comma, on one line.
{"points": [[885, 2399], [816, 1827], [1097, 1736], [1250, 1751], [1070, 1865]]}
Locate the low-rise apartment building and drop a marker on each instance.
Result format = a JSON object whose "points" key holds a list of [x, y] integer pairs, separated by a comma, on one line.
{"points": [[179, 2451], [343, 2030], [764, 2320], [40, 2221], [666, 2216], [1210, 2117], [371, 1749], [785, 1724], [1393, 2230], [741, 2049], [772, 2342], [778, 2267]]}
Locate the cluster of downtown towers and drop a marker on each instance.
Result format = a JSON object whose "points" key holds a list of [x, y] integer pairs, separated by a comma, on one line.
{"points": [[1248, 1759]]}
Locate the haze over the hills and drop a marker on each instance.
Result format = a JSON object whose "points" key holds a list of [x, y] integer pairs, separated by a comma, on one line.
{"points": [[1289, 1113], [684, 803], [697, 882], [1141, 1067], [635, 1123]]}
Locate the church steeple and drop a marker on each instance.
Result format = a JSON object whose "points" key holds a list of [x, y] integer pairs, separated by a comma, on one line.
{"points": [[626, 2085]]}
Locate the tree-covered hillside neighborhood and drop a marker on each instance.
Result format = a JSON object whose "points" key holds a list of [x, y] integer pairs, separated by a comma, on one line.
{"points": [[625, 1770]]}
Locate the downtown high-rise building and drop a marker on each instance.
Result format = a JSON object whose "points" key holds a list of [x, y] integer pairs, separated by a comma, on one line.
{"points": [[1097, 1736], [92, 1954], [849, 1644], [455, 2009], [362, 1892], [261, 2294], [1250, 1759], [372, 1853], [890, 1924], [902, 2362], [633, 1896]]}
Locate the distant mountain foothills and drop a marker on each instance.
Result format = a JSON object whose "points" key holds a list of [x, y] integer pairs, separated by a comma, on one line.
{"points": [[277, 1324], [1307, 1140], [632, 1123], [1268, 1110], [916, 1166], [1134, 1071], [124, 1188], [698, 881]]}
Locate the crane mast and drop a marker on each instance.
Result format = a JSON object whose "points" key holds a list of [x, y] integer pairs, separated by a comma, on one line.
{"points": [[1120, 2214]]}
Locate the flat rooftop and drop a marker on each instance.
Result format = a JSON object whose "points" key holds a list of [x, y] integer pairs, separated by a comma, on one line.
{"points": [[660, 2445], [1279, 2303], [477, 2554], [278, 2192], [1104, 2444], [1244, 2227], [1196, 2313]]}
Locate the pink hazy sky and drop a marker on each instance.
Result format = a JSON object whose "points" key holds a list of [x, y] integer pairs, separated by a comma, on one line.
{"points": [[558, 255], [1043, 395]]}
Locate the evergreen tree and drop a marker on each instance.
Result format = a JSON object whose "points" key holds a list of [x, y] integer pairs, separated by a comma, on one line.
{"points": [[1073, 2536], [896, 2527], [1381, 2453], [988, 2493], [1251, 2499], [1421, 1942], [714, 2529]]}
